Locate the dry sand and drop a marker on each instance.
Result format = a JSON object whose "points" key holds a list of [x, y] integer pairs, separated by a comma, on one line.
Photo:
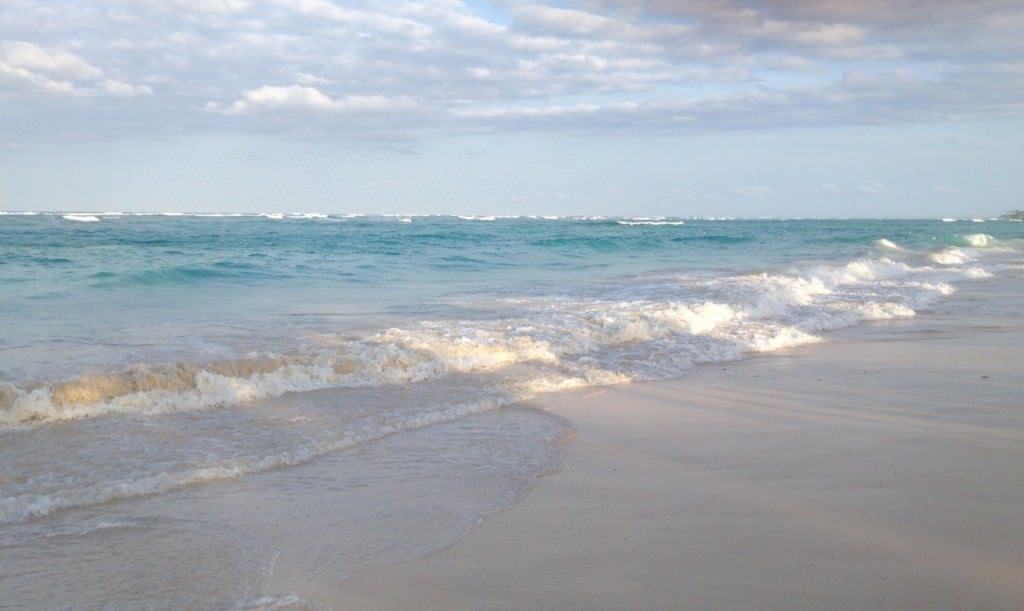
{"points": [[884, 470]]}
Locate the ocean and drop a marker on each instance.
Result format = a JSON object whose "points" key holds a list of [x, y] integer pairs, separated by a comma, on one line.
{"points": [[213, 411]]}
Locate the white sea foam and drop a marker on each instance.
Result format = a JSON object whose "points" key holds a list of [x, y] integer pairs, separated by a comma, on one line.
{"points": [[81, 218], [589, 339], [857, 271], [951, 256], [976, 273], [510, 347], [890, 245], [429, 351], [650, 222], [979, 240]]}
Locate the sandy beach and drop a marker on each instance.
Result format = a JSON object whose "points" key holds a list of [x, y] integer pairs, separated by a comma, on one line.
{"points": [[882, 470]]}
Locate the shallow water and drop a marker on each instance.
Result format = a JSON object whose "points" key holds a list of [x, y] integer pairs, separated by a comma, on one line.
{"points": [[315, 395]]}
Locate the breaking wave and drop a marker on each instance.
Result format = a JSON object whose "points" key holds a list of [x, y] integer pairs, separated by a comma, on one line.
{"points": [[558, 342]]}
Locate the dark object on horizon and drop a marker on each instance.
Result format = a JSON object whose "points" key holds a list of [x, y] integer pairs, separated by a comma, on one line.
{"points": [[1013, 215]]}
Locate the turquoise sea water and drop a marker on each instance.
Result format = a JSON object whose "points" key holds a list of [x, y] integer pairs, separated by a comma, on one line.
{"points": [[154, 368]]}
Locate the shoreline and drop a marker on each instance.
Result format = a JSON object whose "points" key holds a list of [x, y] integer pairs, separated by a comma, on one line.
{"points": [[882, 469]]}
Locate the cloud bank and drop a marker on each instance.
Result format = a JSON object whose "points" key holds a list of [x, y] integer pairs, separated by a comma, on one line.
{"points": [[367, 68]]}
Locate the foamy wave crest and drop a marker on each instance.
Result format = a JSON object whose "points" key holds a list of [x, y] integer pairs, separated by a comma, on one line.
{"points": [[820, 298], [889, 245], [979, 240], [567, 342], [864, 270], [558, 338], [396, 356], [81, 218], [145, 389], [951, 256], [649, 222]]}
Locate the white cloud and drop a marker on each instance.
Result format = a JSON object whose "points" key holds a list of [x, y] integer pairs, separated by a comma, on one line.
{"points": [[20, 78], [299, 97], [28, 66], [529, 111], [127, 90], [374, 103], [814, 34], [268, 96], [700, 63], [303, 78], [372, 20], [569, 21], [31, 57], [198, 7]]}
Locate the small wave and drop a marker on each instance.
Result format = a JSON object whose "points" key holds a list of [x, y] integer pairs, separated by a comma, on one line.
{"points": [[889, 245], [567, 338], [951, 256], [218, 271], [30, 506], [178, 275], [612, 339], [81, 218], [277, 603], [653, 223], [979, 240], [970, 247]]}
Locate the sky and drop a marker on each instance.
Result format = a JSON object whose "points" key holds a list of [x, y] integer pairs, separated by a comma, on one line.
{"points": [[834, 108]]}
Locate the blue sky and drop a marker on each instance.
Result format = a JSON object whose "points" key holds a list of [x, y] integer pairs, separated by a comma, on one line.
{"points": [[622, 107]]}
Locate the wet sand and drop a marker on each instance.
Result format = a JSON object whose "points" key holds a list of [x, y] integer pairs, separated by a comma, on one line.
{"points": [[883, 470]]}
